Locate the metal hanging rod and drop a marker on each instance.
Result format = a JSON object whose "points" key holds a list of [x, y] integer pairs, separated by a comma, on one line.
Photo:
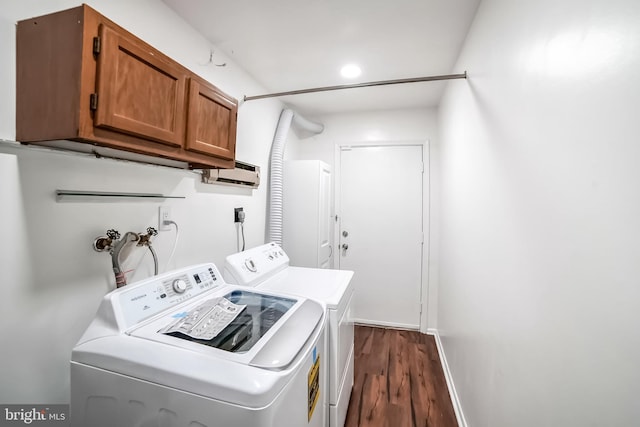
{"points": [[357, 85]]}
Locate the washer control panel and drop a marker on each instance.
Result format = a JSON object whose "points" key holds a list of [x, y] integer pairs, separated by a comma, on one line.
{"points": [[140, 300], [255, 264]]}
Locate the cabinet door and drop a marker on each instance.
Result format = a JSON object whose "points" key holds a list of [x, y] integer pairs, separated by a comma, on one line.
{"points": [[325, 250], [211, 122], [139, 92], [306, 212]]}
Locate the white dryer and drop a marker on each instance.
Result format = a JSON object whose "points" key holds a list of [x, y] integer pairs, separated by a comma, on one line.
{"points": [[267, 267], [261, 368]]}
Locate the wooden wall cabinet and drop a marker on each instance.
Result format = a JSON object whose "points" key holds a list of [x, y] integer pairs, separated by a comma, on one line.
{"points": [[82, 78]]}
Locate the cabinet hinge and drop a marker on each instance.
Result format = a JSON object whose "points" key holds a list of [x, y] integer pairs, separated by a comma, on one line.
{"points": [[93, 102], [96, 45]]}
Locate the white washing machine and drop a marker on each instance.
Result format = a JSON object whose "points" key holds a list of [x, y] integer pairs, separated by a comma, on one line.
{"points": [[186, 349], [267, 267]]}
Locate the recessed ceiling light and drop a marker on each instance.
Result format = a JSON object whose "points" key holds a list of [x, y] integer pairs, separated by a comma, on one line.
{"points": [[350, 71]]}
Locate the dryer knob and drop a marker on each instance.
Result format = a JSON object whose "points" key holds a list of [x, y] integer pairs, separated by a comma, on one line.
{"points": [[251, 266], [179, 286]]}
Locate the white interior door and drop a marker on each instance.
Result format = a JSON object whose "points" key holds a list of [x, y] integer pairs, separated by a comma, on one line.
{"points": [[307, 232], [324, 224], [381, 236]]}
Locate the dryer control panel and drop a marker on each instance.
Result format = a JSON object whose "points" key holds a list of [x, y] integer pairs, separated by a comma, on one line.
{"points": [[255, 265], [143, 299]]}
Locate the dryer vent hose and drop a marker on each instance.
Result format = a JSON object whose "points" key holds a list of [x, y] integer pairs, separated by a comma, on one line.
{"points": [[274, 228]]}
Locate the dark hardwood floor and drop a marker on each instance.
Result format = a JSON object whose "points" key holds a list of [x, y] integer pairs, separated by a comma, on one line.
{"points": [[398, 381]]}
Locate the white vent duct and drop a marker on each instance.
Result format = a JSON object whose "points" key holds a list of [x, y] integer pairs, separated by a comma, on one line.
{"points": [[274, 227]]}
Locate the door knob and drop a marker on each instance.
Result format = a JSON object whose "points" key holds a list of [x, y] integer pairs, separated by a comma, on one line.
{"points": [[344, 246]]}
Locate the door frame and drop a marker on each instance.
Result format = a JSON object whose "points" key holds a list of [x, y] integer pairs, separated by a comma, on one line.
{"points": [[426, 205]]}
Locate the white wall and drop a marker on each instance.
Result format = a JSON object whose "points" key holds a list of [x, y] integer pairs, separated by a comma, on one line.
{"points": [[380, 126], [540, 254], [52, 279]]}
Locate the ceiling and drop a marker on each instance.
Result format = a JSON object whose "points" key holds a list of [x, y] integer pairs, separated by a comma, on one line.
{"points": [[296, 44]]}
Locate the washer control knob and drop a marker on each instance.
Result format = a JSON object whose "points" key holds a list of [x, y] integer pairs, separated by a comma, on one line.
{"points": [[179, 285]]}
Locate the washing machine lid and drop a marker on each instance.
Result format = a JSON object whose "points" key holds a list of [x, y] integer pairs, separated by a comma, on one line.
{"points": [[234, 322], [327, 286], [252, 377], [268, 332]]}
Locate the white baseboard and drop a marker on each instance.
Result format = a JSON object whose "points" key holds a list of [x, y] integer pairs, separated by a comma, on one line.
{"points": [[365, 322], [457, 408]]}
